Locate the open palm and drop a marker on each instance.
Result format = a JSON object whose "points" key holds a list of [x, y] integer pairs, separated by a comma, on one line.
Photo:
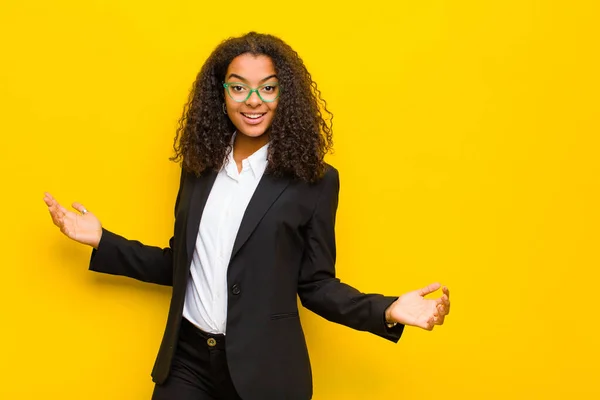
{"points": [[414, 309], [84, 228]]}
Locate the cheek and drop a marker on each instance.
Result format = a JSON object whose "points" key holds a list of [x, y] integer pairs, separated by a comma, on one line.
{"points": [[273, 106], [230, 104]]}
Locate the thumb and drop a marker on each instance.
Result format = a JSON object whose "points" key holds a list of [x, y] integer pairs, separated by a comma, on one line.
{"points": [[429, 289]]}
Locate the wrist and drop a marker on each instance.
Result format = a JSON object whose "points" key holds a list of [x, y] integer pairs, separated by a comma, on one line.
{"points": [[390, 323], [96, 241]]}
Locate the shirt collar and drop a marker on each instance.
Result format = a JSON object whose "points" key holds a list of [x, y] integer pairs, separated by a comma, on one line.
{"points": [[257, 161]]}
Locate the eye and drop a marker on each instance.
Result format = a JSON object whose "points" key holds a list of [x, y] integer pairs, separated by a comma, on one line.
{"points": [[269, 88], [237, 88]]}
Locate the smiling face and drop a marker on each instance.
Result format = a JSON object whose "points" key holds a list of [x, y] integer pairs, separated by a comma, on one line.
{"points": [[253, 116]]}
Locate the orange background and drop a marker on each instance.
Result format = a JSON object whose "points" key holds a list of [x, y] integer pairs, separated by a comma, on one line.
{"points": [[467, 141]]}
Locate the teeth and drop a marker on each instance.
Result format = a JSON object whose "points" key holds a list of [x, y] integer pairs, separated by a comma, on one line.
{"points": [[253, 116]]}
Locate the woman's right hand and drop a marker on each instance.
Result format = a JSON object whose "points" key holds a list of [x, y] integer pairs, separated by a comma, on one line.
{"points": [[84, 228]]}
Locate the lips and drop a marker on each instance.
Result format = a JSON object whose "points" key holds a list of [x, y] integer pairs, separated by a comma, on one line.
{"points": [[253, 118]]}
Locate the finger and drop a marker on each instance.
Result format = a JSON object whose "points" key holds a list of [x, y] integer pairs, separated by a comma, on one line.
{"points": [[48, 199], [446, 291], [50, 203], [446, 310], [438, 317], [429, 289], [54, 205], [56, 219], [79, 207], [446, 302], [56, 214], [430, 324], [63, 211], [441, 309]]}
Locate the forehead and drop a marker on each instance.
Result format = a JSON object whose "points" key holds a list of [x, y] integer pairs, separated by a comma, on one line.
{"points": [[251, 67]]}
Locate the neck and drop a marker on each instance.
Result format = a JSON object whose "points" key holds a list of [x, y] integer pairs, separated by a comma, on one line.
{"points": [[244, 146]]}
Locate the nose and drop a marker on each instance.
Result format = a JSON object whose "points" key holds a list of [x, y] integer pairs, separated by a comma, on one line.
{"points": [[254, 100]]}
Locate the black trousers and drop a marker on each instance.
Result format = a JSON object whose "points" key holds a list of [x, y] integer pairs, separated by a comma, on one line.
{"points": [[199, 370]]}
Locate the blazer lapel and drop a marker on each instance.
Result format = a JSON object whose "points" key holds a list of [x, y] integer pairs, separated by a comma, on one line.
{"points": [[200, 191], [268, 190]]}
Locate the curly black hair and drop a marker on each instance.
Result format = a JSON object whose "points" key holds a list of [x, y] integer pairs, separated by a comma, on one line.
{"points": [[300, 135]]}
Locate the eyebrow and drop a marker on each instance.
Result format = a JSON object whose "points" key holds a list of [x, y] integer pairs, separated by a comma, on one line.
{"points": [[245, 80]]}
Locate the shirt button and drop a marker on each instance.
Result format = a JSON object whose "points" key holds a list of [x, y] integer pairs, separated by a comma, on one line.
{"points": [[235, 289]]}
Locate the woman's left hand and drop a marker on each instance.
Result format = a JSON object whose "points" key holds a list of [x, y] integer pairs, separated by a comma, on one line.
{"points": [[414, 309]]}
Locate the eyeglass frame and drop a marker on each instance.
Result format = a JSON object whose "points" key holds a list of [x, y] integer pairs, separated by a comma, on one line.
{"points": [[227, 84]]}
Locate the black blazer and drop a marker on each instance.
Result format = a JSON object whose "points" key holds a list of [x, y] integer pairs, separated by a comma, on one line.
{"points": [[285, 247]]}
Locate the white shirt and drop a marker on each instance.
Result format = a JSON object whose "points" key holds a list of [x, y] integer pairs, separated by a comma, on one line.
{"points": [[206, 295]]}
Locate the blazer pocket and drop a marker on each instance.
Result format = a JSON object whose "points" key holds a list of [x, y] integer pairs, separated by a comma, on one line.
{"points": [[285, 315]]}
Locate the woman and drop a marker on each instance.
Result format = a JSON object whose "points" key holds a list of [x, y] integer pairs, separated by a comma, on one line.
{"points": [[254, 229]]}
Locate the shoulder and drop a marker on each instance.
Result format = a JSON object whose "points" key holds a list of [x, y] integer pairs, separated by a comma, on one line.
{"points": [[331, 170], [328, 183], [331, 176]]}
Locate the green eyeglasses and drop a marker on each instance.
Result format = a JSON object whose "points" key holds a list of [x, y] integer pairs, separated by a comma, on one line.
{"points": [[241, 92]]}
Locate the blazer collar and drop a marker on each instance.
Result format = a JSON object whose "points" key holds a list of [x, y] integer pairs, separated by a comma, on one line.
{"points": [[268, 190], [200, 191]]}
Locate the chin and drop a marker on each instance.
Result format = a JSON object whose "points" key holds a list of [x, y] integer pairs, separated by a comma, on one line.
{"points": [[253, 132]]}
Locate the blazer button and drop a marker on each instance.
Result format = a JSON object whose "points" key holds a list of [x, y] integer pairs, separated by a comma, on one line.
{"points": [[235, 289]]}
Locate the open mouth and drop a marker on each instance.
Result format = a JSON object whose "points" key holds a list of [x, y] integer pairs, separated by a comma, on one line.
{"points": [[253, 118]]}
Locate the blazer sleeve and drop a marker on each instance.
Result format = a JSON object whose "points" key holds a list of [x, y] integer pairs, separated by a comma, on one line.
{"points": [[118, 256], [319, 289]]}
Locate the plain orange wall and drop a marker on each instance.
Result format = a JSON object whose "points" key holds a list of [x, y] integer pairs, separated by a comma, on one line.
{"points": [[467, 141]]}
